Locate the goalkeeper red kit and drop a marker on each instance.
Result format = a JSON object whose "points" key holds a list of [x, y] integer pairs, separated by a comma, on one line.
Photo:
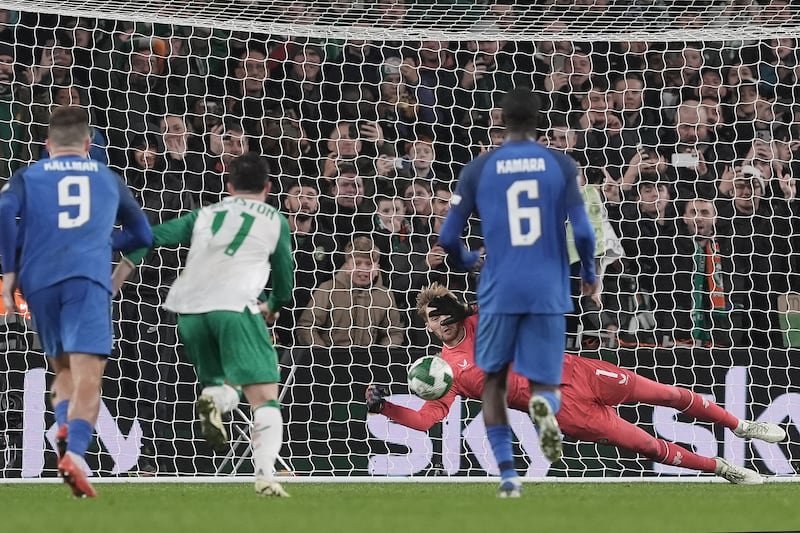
{"points": [[467, 383], [590, 390]]}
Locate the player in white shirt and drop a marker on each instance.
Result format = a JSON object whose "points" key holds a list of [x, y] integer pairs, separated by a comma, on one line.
{"points": [[234, 247]]}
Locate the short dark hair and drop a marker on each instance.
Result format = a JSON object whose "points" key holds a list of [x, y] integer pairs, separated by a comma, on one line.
{"points": [[386, 198], [69, 126], [252, 45], [521, 111], [233, 124], [249, 173], [347, 168], [441, 185], [302, 182], [422, 182]]}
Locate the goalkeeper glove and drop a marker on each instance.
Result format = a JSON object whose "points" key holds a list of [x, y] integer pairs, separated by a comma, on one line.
{"points": [[448, 305], [376, 398]]}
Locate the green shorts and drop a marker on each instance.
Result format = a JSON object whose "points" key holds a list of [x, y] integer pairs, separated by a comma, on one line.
{"points": [[229, 346]]}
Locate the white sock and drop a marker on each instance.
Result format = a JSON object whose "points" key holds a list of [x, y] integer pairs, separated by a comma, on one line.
{"points": [[226, 398], [267, 440]]}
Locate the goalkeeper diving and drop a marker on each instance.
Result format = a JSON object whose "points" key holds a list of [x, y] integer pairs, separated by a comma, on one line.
{"points": [[590, 391]]}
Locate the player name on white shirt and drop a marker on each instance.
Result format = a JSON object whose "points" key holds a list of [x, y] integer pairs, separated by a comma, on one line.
{"points": [[83, 166], [524, 164]]}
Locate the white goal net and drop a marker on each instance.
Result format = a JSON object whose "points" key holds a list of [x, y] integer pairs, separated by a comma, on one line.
{"points": [[684, 117]]}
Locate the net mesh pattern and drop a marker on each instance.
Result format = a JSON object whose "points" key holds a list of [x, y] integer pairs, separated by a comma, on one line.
{"points": [[682, 116]]}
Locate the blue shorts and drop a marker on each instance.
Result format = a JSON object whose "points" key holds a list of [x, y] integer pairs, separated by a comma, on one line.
{"points": [[73, 316], [533, 343]]}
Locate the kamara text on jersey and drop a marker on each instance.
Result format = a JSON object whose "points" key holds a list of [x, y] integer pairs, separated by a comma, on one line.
{"points": [[525, 164]]}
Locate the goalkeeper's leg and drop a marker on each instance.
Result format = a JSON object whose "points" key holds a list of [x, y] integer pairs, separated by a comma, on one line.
{"points": [[626, 435], [623, 434], [267, 437], [648, 391]]}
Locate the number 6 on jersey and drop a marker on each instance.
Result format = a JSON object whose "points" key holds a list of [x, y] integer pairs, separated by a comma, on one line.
{"points": [[518, 214]]}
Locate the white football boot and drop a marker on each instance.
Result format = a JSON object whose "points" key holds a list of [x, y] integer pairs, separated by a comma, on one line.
{"points": [[738, 475], [211, 422], [266, 487], [549, 432], [760, 430], [510, 488]]}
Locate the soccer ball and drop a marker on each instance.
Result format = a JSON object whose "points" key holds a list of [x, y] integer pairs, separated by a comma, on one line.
{"points": [[430, 377]]}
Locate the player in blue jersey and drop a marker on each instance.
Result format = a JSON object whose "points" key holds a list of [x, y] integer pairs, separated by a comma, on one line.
{"points": [[57, 221], [523, 193]]}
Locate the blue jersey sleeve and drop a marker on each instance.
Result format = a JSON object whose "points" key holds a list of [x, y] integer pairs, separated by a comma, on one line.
{"points": [[12, 199], [135, 232], [462, 204]]}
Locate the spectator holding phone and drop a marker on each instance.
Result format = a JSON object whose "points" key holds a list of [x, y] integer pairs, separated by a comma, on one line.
{"points": [[351, 143], [563, 85], [760, 233], [487, 69], [397, 105], [205, 115], [692, 171], [430, 72]]}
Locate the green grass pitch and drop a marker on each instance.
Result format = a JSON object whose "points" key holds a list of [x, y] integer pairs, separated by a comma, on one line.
{"points": [[402, 507]]}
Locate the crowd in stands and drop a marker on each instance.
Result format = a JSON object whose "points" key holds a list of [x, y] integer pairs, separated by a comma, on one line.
{"points": [[688, 154]]}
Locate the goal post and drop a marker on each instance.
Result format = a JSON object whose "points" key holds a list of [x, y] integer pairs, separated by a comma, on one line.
{"points": [[457, 20], [682, 116]]}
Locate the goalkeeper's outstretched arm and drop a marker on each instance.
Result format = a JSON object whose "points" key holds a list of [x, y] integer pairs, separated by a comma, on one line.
{"points": [[430, 413]]}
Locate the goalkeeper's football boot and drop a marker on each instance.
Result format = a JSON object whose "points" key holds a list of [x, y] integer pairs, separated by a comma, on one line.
{"points": [[71, 471], [738, 475], [510, 488], [760, 430], [211, 422], [266, 487], [61, 441], [549, 433]]}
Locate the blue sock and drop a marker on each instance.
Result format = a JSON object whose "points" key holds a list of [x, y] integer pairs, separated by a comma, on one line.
{"points": [[552, 398], [79, 436], [60, 410], [500, 439]]}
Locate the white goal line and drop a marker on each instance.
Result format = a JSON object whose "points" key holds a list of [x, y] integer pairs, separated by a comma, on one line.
{"points": [[393, 479]]}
